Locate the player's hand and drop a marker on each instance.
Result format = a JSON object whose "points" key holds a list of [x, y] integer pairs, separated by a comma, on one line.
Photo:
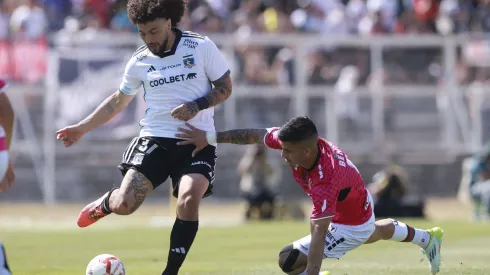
{"points": [[194, 136], [70, 135], [8, 180], [185, 111]]}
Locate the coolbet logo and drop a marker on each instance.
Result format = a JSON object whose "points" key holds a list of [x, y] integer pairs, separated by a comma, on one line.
{"points": [[167, 80], [191, 76], [189, 61]]}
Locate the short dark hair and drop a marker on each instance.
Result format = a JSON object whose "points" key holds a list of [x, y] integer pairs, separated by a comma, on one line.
{"points": [[298, 129], [144, 11]]}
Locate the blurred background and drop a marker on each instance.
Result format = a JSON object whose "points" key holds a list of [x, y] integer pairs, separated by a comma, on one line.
{"points": [[400, 85]]}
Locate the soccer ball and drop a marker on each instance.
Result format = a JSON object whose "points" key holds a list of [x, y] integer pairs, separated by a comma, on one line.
{"points": [[105, 264]]}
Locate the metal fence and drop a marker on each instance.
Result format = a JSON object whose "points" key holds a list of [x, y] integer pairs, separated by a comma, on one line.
{"points": [[376, 97]]}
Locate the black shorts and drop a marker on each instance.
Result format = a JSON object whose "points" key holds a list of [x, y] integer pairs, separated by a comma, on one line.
{"points": [[158, 158]]}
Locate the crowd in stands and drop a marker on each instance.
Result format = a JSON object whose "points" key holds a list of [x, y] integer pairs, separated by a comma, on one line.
{"points": [[35, 20]]}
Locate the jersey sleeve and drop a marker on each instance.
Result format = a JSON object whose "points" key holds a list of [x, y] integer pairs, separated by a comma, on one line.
{"points": [[214, 62], [271, 140], [324, 198], [130, 83]]}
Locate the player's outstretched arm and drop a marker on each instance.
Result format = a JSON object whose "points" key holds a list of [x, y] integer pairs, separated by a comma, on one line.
{"points": [[222, 90], [241, 136], [201, 138], [108, 109], [319, 229]]}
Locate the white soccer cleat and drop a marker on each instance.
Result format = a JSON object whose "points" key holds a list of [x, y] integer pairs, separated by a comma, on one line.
{"points": [[433, 250]]}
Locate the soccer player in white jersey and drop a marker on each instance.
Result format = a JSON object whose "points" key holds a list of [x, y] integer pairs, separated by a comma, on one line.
{"points": [[176, 69], [6, 170]]}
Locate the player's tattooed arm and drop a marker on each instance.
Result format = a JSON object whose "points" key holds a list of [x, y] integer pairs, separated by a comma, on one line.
{"points": [[242, 136], [222, 90]]}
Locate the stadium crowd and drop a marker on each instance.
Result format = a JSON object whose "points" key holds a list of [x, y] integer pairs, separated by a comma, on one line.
{"points": [[34, 20]]}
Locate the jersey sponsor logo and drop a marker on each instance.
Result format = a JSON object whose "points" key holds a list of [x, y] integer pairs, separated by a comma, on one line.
{"points": [[201, 163], [189, 61], [170, 67], [167, 80], [191, 76], [151, 69], [190, 44], [143, 56]]}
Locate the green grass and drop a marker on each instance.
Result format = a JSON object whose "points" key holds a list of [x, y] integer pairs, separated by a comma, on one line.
{"points": [[247, 249]]}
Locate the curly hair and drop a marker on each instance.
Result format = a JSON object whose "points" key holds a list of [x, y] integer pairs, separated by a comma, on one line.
{"points": [[144, 11]]}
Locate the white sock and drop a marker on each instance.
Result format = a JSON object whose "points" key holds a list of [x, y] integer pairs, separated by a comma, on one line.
{"points": [[406, 233]]}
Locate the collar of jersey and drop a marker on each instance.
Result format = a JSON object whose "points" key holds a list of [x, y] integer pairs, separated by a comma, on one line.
{"points": [[178, 35], [317, 159]]}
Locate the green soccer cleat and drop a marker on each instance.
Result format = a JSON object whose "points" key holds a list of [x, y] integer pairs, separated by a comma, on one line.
{"points": [[433, 250]]}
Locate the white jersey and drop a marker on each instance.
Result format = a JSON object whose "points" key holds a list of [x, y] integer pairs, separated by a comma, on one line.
{"points": [[183, 74]]}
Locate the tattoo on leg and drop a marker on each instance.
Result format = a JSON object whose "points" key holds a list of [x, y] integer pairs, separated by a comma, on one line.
{"points": [[137, 186]]}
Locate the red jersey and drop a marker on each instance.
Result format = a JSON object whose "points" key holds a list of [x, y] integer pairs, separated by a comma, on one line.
{"points": [[334, 184]]}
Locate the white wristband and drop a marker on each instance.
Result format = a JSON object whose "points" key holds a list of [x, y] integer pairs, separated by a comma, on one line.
{"points": [[211, 137]]}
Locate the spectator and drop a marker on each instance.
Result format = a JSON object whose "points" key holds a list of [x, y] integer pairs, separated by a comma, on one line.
{"points": [[29, 21]]}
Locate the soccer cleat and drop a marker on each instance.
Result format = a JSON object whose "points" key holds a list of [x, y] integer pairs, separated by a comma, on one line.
{"points": [[324, 273], [92, 212], [433, 250]]}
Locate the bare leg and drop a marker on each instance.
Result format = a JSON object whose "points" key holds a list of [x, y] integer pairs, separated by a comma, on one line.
{"points": [[389, 229], [129, 197]]}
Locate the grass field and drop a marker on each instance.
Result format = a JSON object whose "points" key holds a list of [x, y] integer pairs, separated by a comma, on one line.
{"points": [[46, 249]]}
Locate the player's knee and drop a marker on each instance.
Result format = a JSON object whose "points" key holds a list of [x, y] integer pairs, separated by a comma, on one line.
{"points": [[288, 258], [188, 201]]}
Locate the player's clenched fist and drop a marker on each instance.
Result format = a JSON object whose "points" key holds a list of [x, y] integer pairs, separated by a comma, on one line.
{"points": [[185, 111], [70, 135]]}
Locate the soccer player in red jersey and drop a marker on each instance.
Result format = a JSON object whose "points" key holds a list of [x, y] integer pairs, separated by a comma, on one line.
{"points": [[342, 218], [6, 171]]}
